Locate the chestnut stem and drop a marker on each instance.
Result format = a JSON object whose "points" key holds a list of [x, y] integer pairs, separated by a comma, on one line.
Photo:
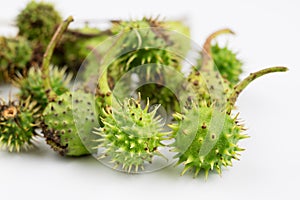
{"points": [[111, 53], [206, 50], [48, 55], [244, 83]]}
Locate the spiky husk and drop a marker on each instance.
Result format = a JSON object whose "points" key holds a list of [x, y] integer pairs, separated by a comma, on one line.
{"points": [[18, 122], [32, 85], [131, 135], [188, 144], [37, 22], [15, 56], [147, 43], [226, 61], [59, 125]]}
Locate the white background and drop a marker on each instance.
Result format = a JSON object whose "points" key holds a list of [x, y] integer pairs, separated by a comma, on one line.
{"points": [[267, 34]]}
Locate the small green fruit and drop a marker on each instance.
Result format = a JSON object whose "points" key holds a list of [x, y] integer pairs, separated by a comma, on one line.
{"points": [[59, 126], [147, 48], [38, 21], [206, 137], [18, 122], [225, 144], [131, 135], [144, 42], [15, 56], [32, 85]]}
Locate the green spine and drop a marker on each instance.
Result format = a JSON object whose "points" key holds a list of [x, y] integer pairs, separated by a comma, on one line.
{"points": [[131, 135]]}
